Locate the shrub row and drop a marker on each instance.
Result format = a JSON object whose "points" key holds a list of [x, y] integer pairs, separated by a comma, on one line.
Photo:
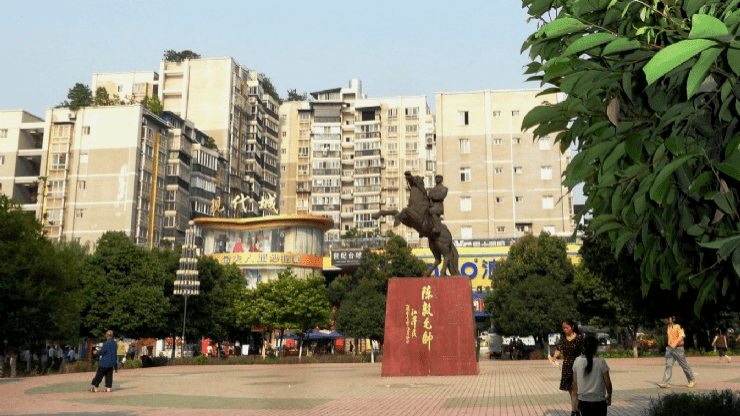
{"points": [[714, 403]]}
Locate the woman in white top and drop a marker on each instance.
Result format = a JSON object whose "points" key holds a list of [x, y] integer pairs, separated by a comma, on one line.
{"points": [[591, 380]]}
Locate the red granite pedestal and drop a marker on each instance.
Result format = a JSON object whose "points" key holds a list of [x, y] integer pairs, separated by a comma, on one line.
{"points": [[429, 328]]}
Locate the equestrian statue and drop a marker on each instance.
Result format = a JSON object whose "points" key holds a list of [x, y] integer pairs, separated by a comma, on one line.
{"points": [[423, 214]]}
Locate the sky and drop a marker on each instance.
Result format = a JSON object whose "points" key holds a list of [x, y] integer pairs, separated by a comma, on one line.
{"points": [[394, 47]]}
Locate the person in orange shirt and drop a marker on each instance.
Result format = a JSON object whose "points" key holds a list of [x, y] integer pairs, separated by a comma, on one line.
{"points": [[675, 352]]}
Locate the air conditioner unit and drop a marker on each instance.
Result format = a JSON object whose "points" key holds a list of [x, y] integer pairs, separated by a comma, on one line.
{"points": [[430, 140], [72, 116]]}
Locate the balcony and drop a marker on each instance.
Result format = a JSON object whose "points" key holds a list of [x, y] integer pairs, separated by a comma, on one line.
{"points": [[367, 171], [325, 208], [325, 190], [347, 176], [348, 145], [369, 135], [366, 189], [326, 172], [327, 154], [366, 153], [347, 196], [331, 137], [347, 214]]}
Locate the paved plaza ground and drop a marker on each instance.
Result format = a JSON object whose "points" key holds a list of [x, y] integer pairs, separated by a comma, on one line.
{"points": [[502, 388]]}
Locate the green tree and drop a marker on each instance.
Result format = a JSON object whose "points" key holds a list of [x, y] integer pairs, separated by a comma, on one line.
{"points": [[531, 289], [269, 87], [124, 290], [101, 97], [153, 104], [78, 96], [175, 56], [294, 96], [653, 107], [362, 313], [395, 260], [39, 281]]}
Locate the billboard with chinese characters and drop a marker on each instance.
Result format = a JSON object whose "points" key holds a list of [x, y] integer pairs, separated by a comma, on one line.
{"points": [[349, 257]]}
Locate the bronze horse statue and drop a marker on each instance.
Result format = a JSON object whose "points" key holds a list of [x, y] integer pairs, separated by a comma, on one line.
{"points": [[417, 216]]}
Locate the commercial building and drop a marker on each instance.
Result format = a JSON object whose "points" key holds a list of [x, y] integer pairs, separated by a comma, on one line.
{"points": [[343, 156], [502, 183], [233, 106]]}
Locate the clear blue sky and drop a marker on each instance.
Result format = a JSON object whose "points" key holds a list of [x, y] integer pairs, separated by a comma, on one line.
{"points": [[394, 47]]}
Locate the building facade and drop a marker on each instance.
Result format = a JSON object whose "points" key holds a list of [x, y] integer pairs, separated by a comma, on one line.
{"points": [[22, 157], [232, 106], [343, 156], [502, 183], [130, 87]]}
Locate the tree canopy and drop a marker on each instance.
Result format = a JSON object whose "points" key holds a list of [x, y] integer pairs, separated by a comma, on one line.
{"points": [[153, 104], [175, 56], [653, 107], [78, 96], [39, 281], [294, 96], [531, 288]]}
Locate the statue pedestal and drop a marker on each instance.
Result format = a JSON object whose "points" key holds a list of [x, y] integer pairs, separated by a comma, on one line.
{"points": [[429, 328]]}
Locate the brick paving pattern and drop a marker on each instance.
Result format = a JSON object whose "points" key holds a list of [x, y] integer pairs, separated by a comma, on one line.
{"points": [[502, 388]]}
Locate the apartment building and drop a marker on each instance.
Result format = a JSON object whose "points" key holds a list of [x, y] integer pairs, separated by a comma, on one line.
{"points": [[104, 171], [22, 156], [130, 87], [231, 105], [195, 174], [502, 183], [343, 156]]}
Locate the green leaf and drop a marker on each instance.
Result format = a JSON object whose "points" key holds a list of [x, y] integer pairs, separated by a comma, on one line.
{"points": [[698, 72], [562, 26], [672, 56], [732, 147], [717, 244], [659, 186], [722, 203], [640, 204], [733, 58], [700, 180], [728, 247], [608, 227], [736, 262], [621, 241], [615, 155], [729, 169], [704, 26], [620, 45], [634, 147], [588, 42], [627, 84], [539, 115], [695, 230]]}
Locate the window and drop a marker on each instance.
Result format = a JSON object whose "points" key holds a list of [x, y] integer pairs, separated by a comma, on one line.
{"points": [[412, 129], [392, 112], [515, 140], [464, 146], [517, 169], [79, 212], [466, 232], [392, 130], [86, 130], [466, 204], [497, 113], [499, 199], [497, 142], [2, 160], [498, 171], [523, 227], [550, 229], [54, 216], [3, 133], [545, 144], [411, 147], [548, 202], [519, 199], [285, 134], [464, 118], [81, 185], [84, 158], [284, 151], [546, 173], [500, 229], [303, 152], [392, 148], [56, 188], [411, 111], [515, 113], [120, 89], [465, 175], [58, 161]]}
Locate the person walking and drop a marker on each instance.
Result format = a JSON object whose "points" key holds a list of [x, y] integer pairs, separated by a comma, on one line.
{"points": [[675, 352], [720, 343], [591, 380], [107, 362], [570, 346], [120, 351]]}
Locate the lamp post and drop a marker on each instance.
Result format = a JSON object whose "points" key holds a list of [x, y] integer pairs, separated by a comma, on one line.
{"points": [[187, 283]]}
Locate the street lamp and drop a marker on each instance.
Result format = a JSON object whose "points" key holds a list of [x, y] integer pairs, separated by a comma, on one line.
{"points": [[187, 283]]}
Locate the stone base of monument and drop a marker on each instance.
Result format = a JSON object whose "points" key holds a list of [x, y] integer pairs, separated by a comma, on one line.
{"points": [[429, 328]]}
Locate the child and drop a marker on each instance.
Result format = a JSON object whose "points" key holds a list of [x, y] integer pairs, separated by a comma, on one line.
{"points": [[591, 380]]}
